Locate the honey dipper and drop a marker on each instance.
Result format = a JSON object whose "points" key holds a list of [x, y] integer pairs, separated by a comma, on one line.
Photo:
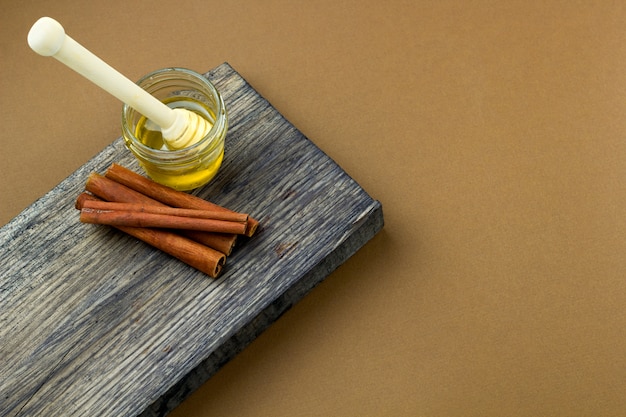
{"points": [[180, 127]]}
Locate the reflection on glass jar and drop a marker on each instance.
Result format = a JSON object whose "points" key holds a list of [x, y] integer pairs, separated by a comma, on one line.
{"points": [[190, 167]]}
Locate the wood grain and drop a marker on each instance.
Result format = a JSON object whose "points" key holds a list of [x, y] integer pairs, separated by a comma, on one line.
{"points": [[94, 322]]}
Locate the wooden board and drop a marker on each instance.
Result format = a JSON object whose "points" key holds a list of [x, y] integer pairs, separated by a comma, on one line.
{"points": [[94, 322]]}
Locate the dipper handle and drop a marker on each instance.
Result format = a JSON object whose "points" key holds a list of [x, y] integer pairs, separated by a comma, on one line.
{"points": [[48, 38]]}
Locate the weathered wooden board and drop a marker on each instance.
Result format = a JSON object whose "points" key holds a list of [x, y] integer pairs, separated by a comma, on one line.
{"points": [[94, 322]]}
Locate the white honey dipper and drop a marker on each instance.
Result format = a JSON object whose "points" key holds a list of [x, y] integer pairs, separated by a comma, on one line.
{"points": [[180, 127]]}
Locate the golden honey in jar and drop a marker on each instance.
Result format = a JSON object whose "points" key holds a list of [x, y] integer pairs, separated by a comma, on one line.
{"points": [[190, 167]]}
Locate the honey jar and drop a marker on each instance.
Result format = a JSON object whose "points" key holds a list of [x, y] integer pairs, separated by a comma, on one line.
{"points": [[190, 167]]}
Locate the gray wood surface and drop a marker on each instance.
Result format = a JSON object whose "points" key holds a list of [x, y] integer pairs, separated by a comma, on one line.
{"points": [[94, 322]]}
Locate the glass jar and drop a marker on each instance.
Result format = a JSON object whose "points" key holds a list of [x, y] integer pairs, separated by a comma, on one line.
{"points": [[190, 167]]}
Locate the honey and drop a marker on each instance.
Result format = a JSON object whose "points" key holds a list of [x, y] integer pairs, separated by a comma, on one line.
{"points": [[150, 135]]}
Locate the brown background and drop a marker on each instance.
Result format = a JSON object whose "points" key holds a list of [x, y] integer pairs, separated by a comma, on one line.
{"points": [[494, 134]]}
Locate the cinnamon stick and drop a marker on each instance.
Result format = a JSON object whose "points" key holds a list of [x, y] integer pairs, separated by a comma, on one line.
{"points": [[194, 254], [109, 190], [167, 221], [229, 216], [166, 194], [82, 198], [222, 242]]}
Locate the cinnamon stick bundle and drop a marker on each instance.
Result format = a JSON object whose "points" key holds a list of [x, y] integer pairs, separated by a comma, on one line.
{"points": [[109, 190], [189, 228], [194, 254], [166, 194]]}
